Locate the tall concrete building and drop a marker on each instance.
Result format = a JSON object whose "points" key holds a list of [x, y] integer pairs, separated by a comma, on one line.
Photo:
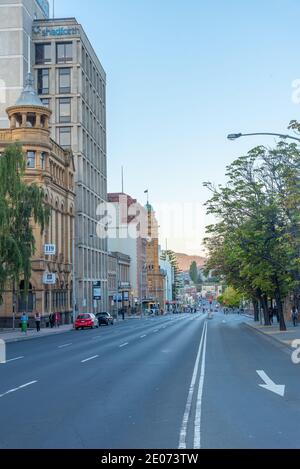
{"points": [[72, 83], [16, 19]]}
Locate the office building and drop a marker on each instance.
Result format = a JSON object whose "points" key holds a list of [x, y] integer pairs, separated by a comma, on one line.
{"points": [[16, 20], [72, 84]]}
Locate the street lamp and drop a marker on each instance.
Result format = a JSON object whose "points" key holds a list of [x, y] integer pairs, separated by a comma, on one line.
{"points": [[238, 135]]}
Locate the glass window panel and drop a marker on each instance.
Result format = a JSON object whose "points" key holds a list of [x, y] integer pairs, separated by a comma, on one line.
{"points": [[30, 163]]}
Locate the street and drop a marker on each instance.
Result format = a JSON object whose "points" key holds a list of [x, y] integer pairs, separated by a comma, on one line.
{"points": [[177, 381]]}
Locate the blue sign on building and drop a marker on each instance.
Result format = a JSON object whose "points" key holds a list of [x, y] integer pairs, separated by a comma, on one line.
{"points": [[44, 5]]}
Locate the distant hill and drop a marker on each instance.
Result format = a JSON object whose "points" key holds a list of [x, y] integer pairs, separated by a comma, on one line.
{"points": [[184, 261]]}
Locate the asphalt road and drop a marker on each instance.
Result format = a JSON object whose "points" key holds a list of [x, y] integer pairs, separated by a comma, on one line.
{"points": [[178, 381]]}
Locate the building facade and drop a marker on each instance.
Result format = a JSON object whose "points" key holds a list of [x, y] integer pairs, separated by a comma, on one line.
{"points": [[72, 83], [127, 236], [119, 288], [155, 275], [16, 20], [52, 168]]}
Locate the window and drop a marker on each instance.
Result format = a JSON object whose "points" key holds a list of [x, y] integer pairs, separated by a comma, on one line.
{"points": [[64, 53], [42, 54], [65, 137], [46, 102], [64, 80], [43, 160], [30, 159], [64, 110], [43, 81]]}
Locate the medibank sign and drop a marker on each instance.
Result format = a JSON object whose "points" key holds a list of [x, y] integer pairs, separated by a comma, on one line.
{"points": [[44, 6], [56, 32]]}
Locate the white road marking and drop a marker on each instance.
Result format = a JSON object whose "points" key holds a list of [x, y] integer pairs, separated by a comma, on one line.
{"points": [[156, 330], [90, 358], [185, 420], [18, 388], [11, 360], [142, 336], [65, 345], [270, 385], [197, 423], [123, 345]]}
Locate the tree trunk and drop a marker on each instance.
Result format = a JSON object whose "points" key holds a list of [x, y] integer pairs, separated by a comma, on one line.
{"points": [[282, 326], [256, 309], [264, 305]]}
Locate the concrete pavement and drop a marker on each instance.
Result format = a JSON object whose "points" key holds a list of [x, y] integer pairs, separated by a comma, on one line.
{"points": [[284, 337]]}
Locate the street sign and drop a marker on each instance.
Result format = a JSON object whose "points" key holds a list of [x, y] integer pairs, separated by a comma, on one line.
{"points": [[97, 291], [49, 249], [49, 279]]}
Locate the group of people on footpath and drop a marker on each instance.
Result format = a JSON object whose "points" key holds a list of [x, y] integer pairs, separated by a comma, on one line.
{"points": [[54, 321]]}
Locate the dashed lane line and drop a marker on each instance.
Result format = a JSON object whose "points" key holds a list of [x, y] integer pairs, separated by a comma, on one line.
{"points": [[18, 388], [89, 359]]}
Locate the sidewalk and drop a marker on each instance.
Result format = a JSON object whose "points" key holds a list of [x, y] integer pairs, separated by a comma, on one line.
{"points": [[284, 337], [9, 335]]}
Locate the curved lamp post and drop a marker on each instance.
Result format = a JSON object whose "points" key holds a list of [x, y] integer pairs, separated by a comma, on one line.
{"points": [[238, 135]]}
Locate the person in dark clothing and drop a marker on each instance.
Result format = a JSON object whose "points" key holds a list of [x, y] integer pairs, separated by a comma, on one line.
{"points": [[271, 312], [52, 320], [294, 315]]}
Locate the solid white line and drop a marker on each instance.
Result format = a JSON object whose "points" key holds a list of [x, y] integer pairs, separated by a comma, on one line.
{"points": [[18, 388], [142, 336], [88, 359], [185, 420], [12, 360], [65, 345], [197, 423], [123, 345], [156, 330]]}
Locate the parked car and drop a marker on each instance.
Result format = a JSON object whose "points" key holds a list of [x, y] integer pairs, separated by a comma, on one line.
{"points": [[105, 318], [86, 320]]}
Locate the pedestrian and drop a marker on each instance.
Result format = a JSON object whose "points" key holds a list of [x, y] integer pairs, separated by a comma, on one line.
{"points": [[37, 318], [24, 322], [123, 314], [271, 315], [52, 320], [294, 315], [57, 319]]}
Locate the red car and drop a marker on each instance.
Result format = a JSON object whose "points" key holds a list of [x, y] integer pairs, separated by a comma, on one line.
{"points": [[86, 320]]}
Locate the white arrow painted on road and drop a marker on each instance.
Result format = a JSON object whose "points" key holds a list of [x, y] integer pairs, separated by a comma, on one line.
{"points": [[270, 385]]}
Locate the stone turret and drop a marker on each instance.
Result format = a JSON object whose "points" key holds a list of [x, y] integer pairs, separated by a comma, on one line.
{"points": [[29, 111]]}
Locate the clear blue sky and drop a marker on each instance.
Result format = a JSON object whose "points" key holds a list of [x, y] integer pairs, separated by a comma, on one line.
{"points": [[181, 75]]}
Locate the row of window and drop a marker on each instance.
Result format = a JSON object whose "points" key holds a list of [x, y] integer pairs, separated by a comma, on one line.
{"points": [[31, 159], [64, 53], [64, 81]]}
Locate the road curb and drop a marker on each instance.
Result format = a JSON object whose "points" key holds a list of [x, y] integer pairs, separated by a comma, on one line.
{"points": [[23, 339], [283, 345]]}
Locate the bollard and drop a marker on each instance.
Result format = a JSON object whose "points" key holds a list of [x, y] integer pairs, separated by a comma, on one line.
{"points": [[2, 352]]}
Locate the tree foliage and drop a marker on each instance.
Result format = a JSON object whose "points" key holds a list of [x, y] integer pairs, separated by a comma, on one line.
{"points": [[21, 206], [254, 243], [230, 298], [194, 272]]}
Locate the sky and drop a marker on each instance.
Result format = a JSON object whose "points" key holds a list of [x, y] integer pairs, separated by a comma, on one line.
{"points": [[181, 75]]}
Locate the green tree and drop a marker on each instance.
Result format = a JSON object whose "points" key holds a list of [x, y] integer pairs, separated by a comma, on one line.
{"points": [[194, 272], [21, 205], [255, 241]]}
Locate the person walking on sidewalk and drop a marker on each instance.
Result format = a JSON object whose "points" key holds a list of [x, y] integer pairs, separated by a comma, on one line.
{"points": [[52, 320], [294, 314], [24, 321], [37, 318]]}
